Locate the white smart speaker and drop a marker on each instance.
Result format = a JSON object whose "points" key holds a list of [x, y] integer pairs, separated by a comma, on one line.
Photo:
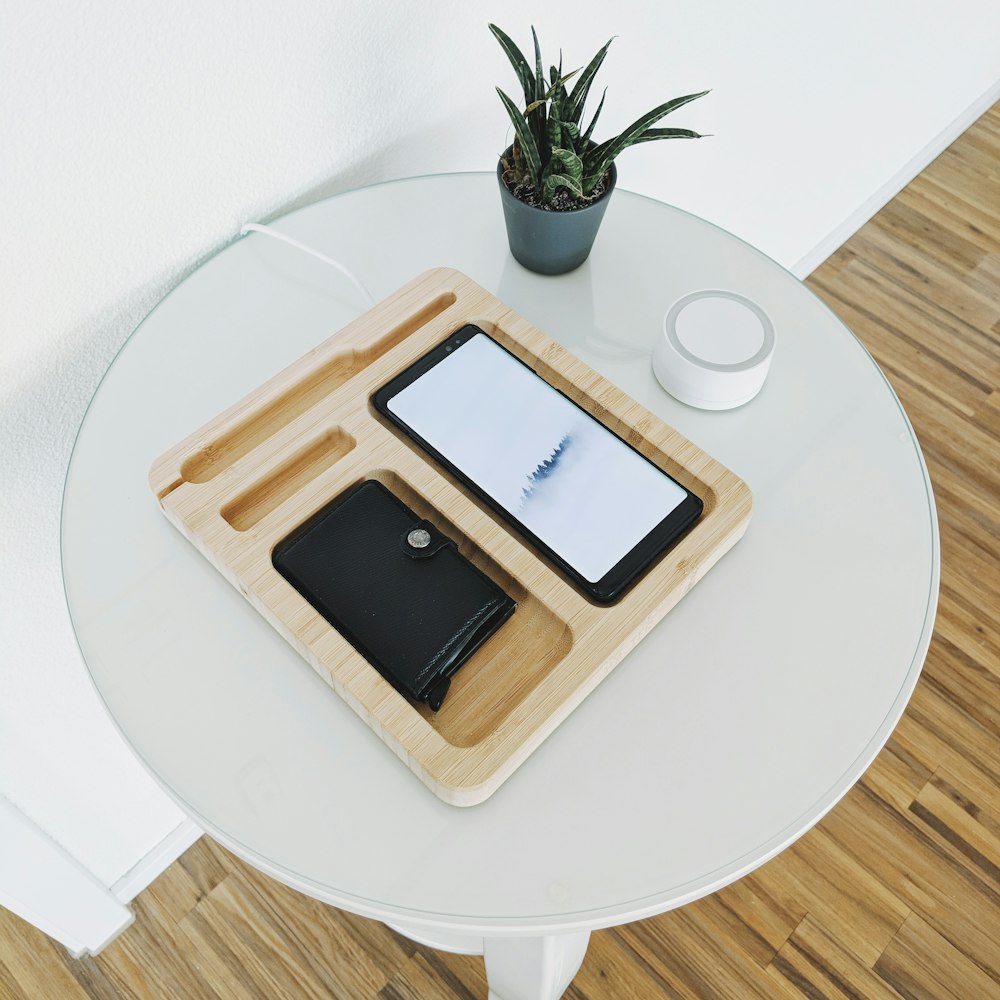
{"points": [[715, 349]]}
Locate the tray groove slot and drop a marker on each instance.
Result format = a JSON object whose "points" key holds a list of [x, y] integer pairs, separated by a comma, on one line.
{"points": [[268, 493], [244, 436], [512, 663]]}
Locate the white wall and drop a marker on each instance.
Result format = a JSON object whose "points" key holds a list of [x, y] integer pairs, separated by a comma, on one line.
{"points": [[135, 138]]}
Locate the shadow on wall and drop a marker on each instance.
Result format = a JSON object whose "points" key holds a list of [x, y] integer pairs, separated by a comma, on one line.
{"points": [[53, 730], [45, 405], [392, 160], [46, 704]]}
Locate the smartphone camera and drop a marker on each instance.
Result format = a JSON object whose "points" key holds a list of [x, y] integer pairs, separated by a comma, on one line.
{"points": [[448, 349]]}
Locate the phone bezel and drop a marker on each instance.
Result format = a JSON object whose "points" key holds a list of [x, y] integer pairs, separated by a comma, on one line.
{"points": [[628, 569]]}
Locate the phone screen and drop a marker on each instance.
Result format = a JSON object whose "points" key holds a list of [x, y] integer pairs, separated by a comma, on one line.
{"points": [[578, 488]]}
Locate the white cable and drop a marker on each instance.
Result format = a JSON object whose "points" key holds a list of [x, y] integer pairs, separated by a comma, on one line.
{"points": [[268, 231]]}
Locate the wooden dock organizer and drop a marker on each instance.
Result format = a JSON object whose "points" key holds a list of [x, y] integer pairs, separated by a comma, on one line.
{"points": [[240, 484]]}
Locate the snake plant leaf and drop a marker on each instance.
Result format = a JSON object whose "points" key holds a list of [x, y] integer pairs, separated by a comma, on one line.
{"points": [[593, 121], [539, 75], [605, 154], [595, 165], [554, 181], [517, 60], [667, 133], [539, 116], [571, 163], [556, 98], [559, 79], [555, 111], [529, 147], [595, 155], [552, 150], [590, 181], [578, 96], [560, 84]]}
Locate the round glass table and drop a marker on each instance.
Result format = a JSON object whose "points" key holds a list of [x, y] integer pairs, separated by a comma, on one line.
{"points": [[726, 734]]}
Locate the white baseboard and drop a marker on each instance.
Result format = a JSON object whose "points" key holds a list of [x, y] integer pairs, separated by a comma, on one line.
{"points": [[153, 864], [835, 239], [44, 884]]}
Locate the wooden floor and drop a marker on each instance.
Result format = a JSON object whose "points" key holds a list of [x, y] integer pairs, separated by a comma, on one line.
{"points": [[895, 894]]}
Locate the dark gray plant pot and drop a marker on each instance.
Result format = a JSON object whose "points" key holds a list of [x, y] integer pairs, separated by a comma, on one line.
{"points": [[552, 242]]}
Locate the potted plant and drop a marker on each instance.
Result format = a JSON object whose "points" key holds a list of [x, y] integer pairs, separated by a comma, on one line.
{"points": [[555, 179]]}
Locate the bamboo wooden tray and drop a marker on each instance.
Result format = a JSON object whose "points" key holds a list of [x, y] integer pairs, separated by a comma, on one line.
{"points": [[245, 480]]}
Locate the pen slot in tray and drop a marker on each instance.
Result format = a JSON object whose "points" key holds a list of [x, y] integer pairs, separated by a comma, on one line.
{"points": [[511, 664], [240, 439], [268, 493]]}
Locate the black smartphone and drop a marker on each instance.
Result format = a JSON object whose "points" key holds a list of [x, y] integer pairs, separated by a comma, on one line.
{"points": [[597, 508]]}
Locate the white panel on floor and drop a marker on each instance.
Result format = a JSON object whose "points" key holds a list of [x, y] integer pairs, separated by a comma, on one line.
{"points": [[42, 884]]}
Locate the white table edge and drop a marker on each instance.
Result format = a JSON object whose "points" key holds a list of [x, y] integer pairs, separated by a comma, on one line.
{"points": [[594, 919]]}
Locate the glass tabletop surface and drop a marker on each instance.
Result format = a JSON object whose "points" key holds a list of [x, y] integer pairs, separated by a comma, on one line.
{"points": [[733, 727]]}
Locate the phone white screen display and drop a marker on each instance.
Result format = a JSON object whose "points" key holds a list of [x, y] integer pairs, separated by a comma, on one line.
{"points": [[580, 489]]}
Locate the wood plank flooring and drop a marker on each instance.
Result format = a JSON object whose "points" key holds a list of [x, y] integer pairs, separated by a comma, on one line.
{"points": [[896, 894]]}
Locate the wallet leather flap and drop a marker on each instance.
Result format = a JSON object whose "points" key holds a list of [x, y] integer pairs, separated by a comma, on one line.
{"points": [[394, 586]]}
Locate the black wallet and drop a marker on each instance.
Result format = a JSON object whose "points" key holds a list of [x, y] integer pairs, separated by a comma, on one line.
{"points": [[395, 587]]}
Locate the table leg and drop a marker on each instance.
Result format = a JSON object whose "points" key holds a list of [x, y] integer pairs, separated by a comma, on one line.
{"points": [[531, 968]]}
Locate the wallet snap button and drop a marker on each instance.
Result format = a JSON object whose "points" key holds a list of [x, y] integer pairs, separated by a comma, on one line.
{"points": [[422, 540], [419, 538]]}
